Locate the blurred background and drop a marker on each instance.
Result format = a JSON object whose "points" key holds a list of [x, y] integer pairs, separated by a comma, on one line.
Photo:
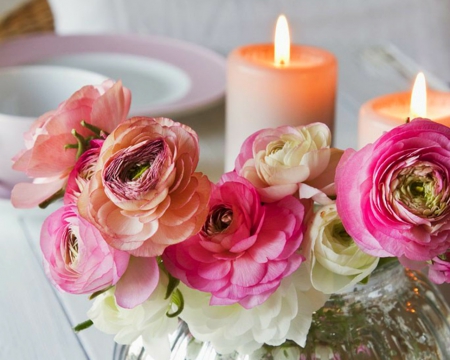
{"points": [[419, 28]]}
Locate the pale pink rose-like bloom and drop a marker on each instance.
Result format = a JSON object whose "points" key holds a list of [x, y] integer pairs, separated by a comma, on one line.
{"points": [[439, 269], [45, 158], [82, 172], [244, 249], [393, 196], [76, 258], [144, 194], [290, 160]]}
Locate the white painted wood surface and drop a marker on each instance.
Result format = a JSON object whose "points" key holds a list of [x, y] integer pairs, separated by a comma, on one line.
{"points": [[35, 320]]}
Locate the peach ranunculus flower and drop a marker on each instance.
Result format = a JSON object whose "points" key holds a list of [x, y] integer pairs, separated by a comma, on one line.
{"points": [[144, 194], [290, 160], [45, 158]]}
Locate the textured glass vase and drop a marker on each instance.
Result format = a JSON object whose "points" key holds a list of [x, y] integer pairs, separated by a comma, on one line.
{"points": [[399, 314]]}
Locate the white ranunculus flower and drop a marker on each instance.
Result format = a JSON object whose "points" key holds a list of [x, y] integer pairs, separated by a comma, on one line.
{"points": [[285, 315], [148, 320], [336, 262]]}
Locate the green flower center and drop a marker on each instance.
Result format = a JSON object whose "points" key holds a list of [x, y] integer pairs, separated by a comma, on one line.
{"points": [[340, 234], [420, 189]]}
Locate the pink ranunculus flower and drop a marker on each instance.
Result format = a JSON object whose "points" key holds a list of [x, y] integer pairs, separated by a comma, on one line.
{"points": [[439, 269], [290, 160], [45, 158], [144, 194], [393, 196], [76, 258], [82, 172], [244, 249]]}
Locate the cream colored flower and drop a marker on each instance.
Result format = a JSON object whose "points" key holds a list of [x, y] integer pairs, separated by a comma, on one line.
{"points": [[147, 320], [289, 160], [336, 262], [287, 314]]}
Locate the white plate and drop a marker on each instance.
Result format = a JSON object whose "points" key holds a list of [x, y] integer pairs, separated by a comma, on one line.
{"points": [[166, 76]]}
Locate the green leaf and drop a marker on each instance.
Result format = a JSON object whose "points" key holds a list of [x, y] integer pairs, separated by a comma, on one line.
{"points": [[84, 325], [178, 301]]}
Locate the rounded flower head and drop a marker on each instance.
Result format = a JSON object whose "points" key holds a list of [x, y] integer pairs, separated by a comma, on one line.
{"points": [[76, 257], [144, 194], [336, 262], [244, 249], [394, 195], [45, 158], [287, 160]]}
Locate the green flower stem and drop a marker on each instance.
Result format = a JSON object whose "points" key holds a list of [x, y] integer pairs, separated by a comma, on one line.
{"points": [[97, 131], [173, 283], [57, 195]]}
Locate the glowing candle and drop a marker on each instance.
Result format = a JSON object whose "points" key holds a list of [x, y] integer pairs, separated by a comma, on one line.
{"points": [[270, 85], [386, 112]]}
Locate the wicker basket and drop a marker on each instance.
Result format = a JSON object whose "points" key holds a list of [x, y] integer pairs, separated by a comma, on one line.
{"points": [[34, 16]]}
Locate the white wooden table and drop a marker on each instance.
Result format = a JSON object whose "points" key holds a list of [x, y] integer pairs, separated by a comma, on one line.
{"points": [[36, 320]]}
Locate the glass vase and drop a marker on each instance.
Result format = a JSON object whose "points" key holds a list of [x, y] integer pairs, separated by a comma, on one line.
{"points": [[398, 314]]}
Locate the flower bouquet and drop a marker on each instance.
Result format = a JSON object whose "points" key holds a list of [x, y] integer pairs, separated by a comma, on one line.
{"points": [[247, 262]]}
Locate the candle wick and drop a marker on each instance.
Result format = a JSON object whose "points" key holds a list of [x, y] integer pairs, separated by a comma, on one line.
{"points": [[408, 120]]}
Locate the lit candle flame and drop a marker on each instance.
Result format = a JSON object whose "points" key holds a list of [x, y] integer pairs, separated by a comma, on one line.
{"points": [[282, 42], [418, 107]]}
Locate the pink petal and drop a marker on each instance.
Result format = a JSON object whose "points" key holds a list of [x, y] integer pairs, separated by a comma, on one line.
{"points": [[349, 206], [269, 246], [214, 271], [137, 283], [48, 157], [247, 272], [276, 192], [29, 195]]}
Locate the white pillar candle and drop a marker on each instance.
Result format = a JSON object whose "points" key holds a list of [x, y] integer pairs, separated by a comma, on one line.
{"points": [[386, 112], [263, 94]]}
